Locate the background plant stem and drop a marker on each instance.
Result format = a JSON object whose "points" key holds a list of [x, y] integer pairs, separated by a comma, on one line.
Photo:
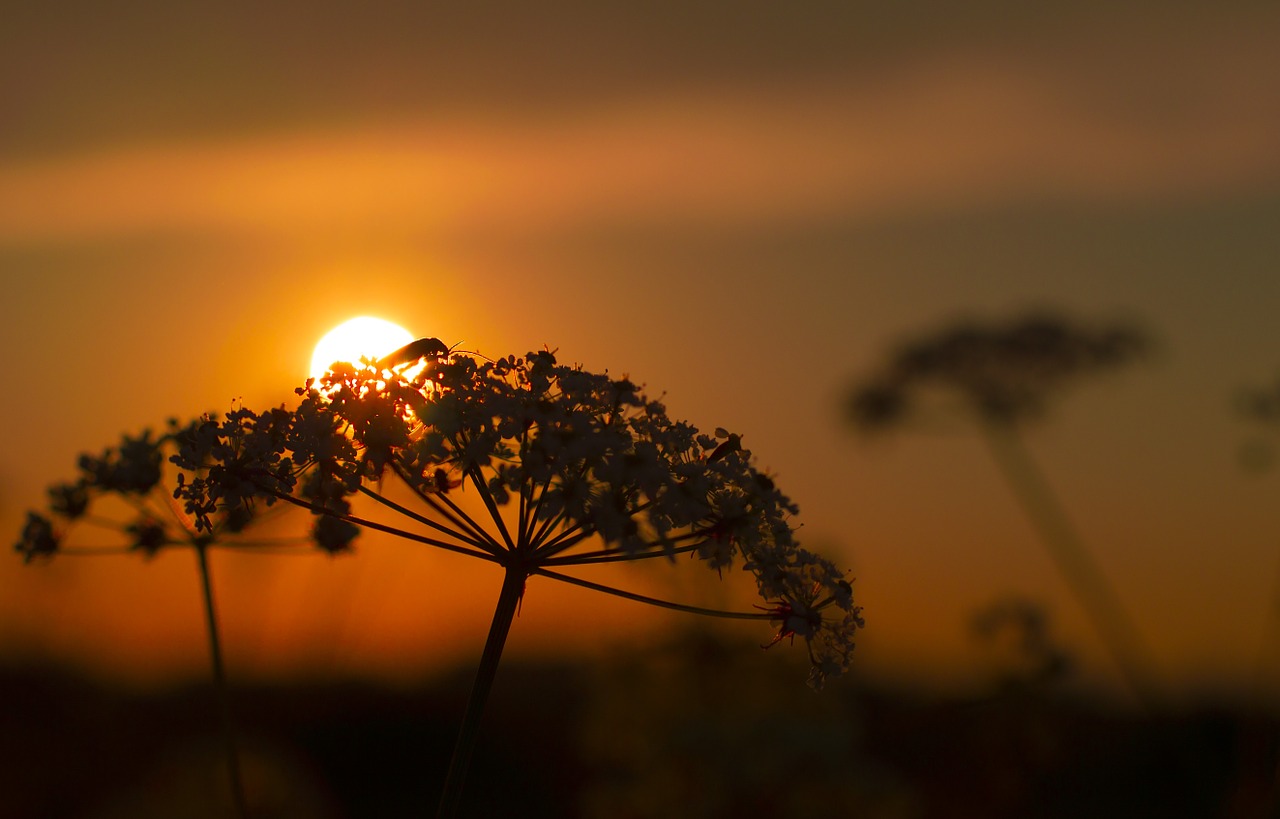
{"points": [[1073, 561], [220, 684], [508, 602]]}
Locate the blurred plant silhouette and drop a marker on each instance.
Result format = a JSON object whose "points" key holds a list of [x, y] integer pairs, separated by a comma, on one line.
{"points": [[1002, 377], [1260, 408], [121, 503], [1016, 631], [731, 743], [571, 469]]}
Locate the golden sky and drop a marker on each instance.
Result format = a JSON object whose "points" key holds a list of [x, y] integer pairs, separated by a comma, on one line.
{"points": [[741, 211]]}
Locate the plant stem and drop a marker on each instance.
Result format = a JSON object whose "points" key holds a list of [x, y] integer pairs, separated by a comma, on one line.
{"points": [[654, 601], [508, 601], [220, 684], [423, 519], [391, 530], [1082, 574]]}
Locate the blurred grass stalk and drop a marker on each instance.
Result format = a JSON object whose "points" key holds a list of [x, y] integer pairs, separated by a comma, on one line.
{"points": [[1081, 572], [220, 683]]}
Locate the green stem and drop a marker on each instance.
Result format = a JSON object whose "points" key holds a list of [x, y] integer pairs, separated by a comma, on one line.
{"points": [[220, 684], [508, 601], [1082, 574]]}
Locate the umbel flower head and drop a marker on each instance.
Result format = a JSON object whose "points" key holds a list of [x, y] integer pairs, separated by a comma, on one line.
{"points": [[1002, 373], [130, 480], [571, 468]]}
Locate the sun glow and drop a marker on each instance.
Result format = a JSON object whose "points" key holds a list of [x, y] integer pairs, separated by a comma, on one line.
{"points": [[363, 336]]}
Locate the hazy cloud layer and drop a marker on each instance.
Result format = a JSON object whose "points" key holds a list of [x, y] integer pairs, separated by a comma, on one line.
{"points": [[1132, 121]]}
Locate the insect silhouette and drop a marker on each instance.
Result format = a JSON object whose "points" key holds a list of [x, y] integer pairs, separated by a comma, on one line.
{"points": [[731, 444], [413, 351]]}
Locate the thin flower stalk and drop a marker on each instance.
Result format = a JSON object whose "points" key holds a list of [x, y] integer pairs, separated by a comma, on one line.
{"points": [[231, 744], [1074, 562]]}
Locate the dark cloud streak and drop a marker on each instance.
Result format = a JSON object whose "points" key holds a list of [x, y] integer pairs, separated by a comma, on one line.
{"points": [[92, 74]]}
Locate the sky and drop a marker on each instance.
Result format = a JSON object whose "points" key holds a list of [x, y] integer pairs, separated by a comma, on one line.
{"points": [[742, 209]]}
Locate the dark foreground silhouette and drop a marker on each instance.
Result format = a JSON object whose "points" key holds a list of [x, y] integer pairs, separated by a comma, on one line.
{"points": [[696, 729]]}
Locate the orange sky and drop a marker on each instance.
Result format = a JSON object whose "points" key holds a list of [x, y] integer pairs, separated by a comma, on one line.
{"points": [[741, 216]]}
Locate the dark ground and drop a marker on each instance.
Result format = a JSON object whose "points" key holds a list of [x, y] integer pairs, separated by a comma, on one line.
{"points": [[698, 729]]}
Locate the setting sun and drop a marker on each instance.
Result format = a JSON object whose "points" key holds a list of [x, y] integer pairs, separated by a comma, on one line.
{"points": [[362, 336]]}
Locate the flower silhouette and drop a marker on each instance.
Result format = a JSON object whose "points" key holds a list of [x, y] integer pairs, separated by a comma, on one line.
{"points": [[570, 469], [1003, 376], [1259, 406], [124, 490], [124, 502], [1002, 373]]}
